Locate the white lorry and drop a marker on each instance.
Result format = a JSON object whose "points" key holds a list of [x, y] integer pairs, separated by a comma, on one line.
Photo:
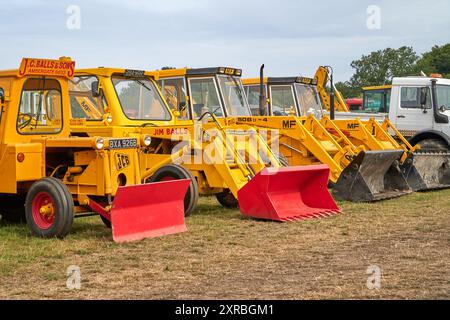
{"points": [[418, 106]]}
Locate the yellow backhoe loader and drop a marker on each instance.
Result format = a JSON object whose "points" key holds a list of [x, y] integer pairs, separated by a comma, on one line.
{"points": [[49, 177], [230, 161]]}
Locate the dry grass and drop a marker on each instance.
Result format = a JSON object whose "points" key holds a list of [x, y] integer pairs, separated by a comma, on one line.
{"points": [[225, 256]]}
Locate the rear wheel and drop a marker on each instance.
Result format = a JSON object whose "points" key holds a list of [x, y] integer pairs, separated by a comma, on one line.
{"points": [[177, 172], [49, 208], [227, 199]]}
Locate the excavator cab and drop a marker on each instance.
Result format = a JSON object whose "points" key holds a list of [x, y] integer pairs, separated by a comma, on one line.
{"points": [[215, 96]]}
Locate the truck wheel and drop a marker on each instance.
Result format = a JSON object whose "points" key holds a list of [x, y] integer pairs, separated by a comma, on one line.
{"points": [[227, 199], [433, 145], [176, 172], [49, 208]]}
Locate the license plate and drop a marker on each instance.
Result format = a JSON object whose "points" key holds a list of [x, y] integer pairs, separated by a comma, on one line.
{"points": [[122, 143]]}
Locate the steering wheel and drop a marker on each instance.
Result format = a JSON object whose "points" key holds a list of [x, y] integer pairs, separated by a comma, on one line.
{"points": [[25, 119]]}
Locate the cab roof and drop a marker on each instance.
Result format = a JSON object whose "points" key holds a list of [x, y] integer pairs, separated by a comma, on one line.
{"points": [[198, 72], [108, 71], [280, 80]]}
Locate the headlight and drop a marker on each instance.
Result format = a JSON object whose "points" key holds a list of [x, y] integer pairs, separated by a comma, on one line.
{"points": [[99, 143], [109, 118], [147, 140]]}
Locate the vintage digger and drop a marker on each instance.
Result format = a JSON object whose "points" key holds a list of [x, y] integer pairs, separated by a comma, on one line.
{"points": [[301, 141], [231, 162], [50, 177], [424, 166]]}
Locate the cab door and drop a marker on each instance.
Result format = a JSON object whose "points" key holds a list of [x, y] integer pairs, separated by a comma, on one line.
{"points": [[411, 115]]}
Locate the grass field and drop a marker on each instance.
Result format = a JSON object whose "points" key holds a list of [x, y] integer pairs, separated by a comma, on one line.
{"points": [[226, 256]]}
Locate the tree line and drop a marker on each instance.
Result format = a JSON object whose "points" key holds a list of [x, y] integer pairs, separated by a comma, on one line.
{"points": [[378, 67]]}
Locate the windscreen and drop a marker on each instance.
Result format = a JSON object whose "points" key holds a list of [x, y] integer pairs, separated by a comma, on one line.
{"points": [[139, 99], [234, 97]]}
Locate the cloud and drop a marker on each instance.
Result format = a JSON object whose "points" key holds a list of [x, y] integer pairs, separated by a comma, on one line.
{"points": [[289, 36]]}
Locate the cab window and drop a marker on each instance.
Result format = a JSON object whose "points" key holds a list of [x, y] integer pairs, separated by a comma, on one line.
{"points": [[253, 98], [40, 109], [82, 104], [373, 101], [174, 91], [140, 99], [410, 97], [282, 100], [204, 97]]}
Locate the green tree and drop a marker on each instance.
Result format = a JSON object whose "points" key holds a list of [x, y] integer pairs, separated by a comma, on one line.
{"points": [[435, 61], [347, 90], [380, 66]]}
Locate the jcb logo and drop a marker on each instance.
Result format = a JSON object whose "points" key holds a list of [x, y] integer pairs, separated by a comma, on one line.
{"points": [[122, 161], [352, 126], [287, 124]]}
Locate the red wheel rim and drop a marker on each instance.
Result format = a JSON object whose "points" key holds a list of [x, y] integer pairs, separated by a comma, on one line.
{"points": [[167, 178], [43, 210]]}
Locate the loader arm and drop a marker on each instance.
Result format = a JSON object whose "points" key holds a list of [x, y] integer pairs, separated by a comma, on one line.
{"points": [[322, 80], [326, 150]]}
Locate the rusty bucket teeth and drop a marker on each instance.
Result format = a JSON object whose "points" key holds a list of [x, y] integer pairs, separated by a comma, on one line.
{"points": [[287, 194]]}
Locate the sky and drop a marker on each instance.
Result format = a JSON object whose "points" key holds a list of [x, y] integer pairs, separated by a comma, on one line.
{"points": [[291, 37]]}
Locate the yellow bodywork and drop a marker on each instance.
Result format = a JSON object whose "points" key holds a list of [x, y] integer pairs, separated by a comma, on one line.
{"points": [[192, 143], [37, 145], [352, 133]]}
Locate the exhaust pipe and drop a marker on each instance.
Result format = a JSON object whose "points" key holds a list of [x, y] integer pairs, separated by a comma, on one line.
{"points": [[330, 71], [262, 93]]}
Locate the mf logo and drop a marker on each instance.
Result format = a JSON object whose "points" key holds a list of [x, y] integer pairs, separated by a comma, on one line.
{"points": [[352, 126], [287, 124], [122, 161]]}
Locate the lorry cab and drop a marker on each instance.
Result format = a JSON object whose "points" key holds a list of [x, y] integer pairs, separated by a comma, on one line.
{"points": [[420, 107]]}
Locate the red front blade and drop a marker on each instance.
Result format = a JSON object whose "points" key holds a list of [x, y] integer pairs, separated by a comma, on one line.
{"points": [[148, 210], [288, 193]]}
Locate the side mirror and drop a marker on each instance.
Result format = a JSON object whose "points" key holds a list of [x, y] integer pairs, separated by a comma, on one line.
{"points": [[423, 96], [2, 95], [95, 91]]}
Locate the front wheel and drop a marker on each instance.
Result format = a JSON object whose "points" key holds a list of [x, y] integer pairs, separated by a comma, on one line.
{"points": [[177, 172], [49, 208], [227, 199]]}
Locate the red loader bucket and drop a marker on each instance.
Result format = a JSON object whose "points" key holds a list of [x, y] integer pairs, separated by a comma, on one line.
{"points": [[288, 194], [148, 210]]}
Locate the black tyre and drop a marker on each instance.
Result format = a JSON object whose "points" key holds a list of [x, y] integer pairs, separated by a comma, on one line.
{"points": [[49, 208], [177, 172], [227, 199], [433, 145], [12, 208]]}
